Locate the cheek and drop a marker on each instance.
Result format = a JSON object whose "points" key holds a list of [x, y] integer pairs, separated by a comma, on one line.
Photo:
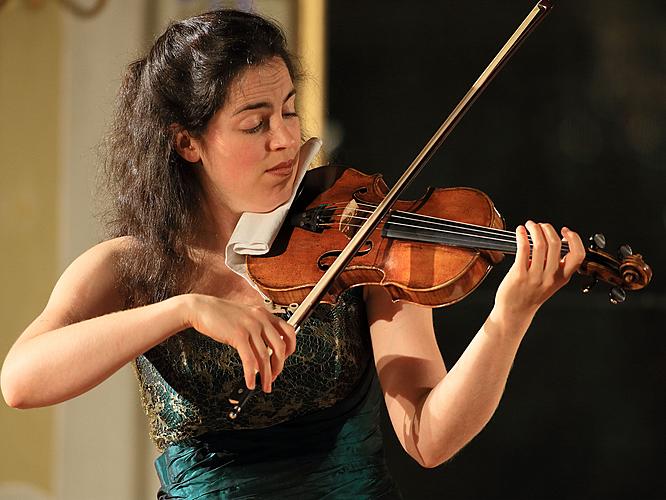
{"points": [[243, 171], [234, 161], [249, 154]]}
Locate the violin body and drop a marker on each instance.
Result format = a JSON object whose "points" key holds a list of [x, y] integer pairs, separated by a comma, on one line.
{"points": [[326, 214]]}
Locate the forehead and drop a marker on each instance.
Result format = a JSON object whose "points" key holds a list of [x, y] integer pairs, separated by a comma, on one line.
{"points": [[260, 82]]}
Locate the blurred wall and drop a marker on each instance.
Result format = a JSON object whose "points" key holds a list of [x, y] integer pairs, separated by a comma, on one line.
{"points": [[101, 441], [30, 57]]}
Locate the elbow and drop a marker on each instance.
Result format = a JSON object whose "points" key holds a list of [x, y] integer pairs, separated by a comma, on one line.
{"points": [[12, 390], [13, 400], [11, 397], [431, 462], [426, 462]]}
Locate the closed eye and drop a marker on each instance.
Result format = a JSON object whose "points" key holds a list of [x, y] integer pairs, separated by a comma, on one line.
{"points": [[262, 123], [255, 129]]}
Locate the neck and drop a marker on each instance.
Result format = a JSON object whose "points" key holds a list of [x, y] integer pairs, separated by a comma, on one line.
{"points": [[218, 223]]}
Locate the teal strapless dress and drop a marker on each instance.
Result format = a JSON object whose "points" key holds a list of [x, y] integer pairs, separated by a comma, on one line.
{"points": [[316, 435]]}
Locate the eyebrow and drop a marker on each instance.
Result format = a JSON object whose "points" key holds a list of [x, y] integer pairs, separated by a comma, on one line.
{"points": [[262, 104]]}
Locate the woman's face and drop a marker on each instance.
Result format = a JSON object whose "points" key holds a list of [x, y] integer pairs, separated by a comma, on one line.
{"points": [[249, 151]]}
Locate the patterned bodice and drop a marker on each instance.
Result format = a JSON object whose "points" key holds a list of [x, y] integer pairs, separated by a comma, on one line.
{"points": [[186, 381]]}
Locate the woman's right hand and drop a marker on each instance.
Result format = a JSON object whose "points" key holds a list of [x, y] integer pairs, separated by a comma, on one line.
{"points": [[263, 340]]}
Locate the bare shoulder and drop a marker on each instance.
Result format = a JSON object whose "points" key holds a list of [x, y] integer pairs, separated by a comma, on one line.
{"points": [[88, 288], [104, 254]]}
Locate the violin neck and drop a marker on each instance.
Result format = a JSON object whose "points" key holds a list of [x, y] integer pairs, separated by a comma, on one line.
{"points": [[426, 229]]}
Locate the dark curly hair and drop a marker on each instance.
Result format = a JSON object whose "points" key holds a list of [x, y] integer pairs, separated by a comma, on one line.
{"points": [[154, 197]]}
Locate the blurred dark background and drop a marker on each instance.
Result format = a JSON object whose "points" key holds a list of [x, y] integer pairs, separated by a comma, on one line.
{"points": [[570, 132]]}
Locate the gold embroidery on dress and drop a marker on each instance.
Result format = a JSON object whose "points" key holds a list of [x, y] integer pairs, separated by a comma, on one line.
{"points": [[185, 382]]}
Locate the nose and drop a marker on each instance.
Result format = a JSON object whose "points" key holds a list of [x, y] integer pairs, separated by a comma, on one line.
{"points": [[286, 134]]}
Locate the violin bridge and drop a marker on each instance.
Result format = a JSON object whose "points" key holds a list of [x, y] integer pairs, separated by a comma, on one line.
{"points": [[347, 225]]}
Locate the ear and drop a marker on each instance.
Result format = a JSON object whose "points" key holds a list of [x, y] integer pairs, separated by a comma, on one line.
{"points": [[186, 145]]}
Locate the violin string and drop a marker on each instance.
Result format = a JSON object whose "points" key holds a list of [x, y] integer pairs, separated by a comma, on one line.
{"points": [[483, 233], [510, 235], [468, 230], [496, 233], [491, 234], [480, 238], [477, 239], [502, 245], [436, 219]]}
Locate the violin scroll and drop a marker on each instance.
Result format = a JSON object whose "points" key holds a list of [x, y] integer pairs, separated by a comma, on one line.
{"points": [[626, 272]]}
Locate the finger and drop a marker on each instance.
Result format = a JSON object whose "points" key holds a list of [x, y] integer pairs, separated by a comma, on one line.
{"points": [[263, 357], [289, 337], [574, 258], [249, 363], [554, 249], [277, 364], [538, 248], [274, 340], [287, 333], [522, 262]]}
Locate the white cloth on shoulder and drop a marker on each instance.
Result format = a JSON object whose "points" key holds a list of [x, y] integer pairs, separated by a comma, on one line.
{"points": [[255, 232]]}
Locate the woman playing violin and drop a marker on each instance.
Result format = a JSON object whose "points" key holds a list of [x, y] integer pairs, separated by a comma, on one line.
{"points": [[206, 129]]}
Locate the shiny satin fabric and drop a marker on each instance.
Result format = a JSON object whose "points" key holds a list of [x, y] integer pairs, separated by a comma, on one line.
{"points": [[331, 454]]}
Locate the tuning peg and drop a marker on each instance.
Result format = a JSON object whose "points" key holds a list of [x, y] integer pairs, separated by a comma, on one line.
{"points": [[617, 295], [598, 241], [624, 251], [590, 285]]}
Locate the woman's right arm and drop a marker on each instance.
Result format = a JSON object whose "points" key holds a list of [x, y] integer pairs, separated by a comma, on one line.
{"points": [[82, 337]]}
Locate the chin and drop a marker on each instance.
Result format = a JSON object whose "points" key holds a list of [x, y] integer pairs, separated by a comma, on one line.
{"points": [[264, 206], [270, 199]]}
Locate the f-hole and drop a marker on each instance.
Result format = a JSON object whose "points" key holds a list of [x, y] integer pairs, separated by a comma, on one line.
{"points": [[326, 259]]}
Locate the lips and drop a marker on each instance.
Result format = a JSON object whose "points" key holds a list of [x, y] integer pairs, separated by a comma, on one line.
{"points": [[283, 168]]}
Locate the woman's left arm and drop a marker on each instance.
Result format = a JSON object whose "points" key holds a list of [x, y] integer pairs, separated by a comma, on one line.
{"points": [[435, 413]]}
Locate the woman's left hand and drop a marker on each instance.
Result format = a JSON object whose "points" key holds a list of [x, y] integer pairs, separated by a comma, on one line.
{"points": [[532, 281]]}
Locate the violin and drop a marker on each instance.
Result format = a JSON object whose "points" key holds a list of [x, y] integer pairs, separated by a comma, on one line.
{"points": [[347, 229], [432, 251]]}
